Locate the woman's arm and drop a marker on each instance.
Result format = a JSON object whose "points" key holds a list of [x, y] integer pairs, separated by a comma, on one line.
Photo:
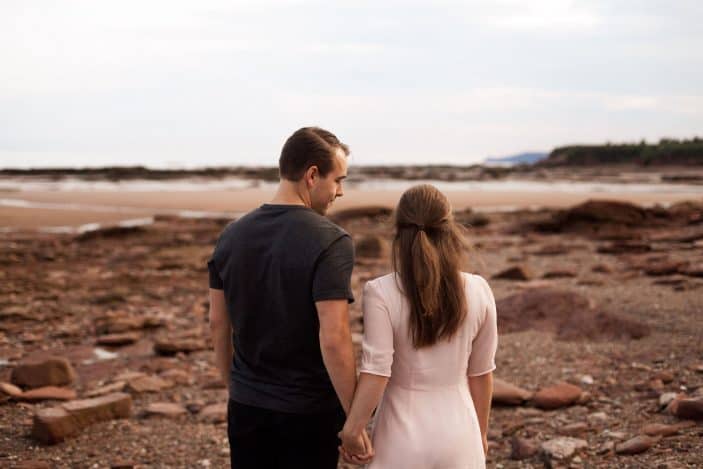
{"points": [[481, 388], [369, 392]]}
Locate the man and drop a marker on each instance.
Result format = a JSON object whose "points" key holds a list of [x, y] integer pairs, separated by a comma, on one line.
{"points": [[279, 294]]}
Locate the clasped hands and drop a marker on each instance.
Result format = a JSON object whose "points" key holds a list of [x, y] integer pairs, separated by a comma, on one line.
{"points": [[356, 446]]}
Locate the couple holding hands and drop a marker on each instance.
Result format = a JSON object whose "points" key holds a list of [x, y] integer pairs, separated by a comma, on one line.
{"points": [[280, 286]]}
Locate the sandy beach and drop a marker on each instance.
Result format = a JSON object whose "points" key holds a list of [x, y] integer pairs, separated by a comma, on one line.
{"points": [[35, 209]]}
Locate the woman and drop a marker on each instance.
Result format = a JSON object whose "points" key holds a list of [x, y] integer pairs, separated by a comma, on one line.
{"points": [[429, 346]]}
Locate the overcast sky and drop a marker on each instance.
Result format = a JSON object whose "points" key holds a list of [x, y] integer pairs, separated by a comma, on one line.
{"points": [[210, 82]]}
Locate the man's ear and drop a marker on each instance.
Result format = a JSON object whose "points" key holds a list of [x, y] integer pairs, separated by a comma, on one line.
{"points": [[311, 175]]}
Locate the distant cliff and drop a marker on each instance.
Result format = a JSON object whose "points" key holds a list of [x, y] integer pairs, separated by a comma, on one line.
{"points": [[665, 153]]}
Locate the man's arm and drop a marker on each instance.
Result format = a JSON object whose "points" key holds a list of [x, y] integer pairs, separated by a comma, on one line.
{"points": [[481, 388], [336, 347], [221, 333]]}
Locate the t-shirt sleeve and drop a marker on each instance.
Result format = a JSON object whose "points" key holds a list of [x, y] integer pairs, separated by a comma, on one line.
{"points": [[332, 277], [485, 343], [377, 345]]}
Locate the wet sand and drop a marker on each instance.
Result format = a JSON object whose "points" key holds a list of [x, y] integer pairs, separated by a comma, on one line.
{"points": [[74, 208]]}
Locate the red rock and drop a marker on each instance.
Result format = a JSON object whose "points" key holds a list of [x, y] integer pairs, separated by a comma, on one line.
{"points": [[695, 270], [52, 372], [636, 445], [107, 389], [552, 250], [10, 390], [519, 272], [689, 409], [654, 429], [55, 424], [33, 464], [602, 269], [48, 393], [664, 267], [505, 393], [559, 395], [563, 273], [114, 340], [574, 428], [177, 376], [370, 246], [666, 377], [371, 211], [123, 464], [148, 384], [214, 413], [165, 409], [522, 448], [174, 346]]}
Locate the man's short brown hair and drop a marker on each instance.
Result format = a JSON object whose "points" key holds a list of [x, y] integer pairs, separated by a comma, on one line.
{"points": [[309, 146]]}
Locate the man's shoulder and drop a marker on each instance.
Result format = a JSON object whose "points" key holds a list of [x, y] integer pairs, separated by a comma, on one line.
{"points": [[320, 227]]}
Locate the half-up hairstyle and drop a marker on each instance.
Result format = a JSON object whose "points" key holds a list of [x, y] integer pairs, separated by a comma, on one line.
{"points": [[428, 251]]}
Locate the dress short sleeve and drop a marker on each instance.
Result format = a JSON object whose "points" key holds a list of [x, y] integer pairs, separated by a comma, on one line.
{"points": [[377, 346], [485, 343]]}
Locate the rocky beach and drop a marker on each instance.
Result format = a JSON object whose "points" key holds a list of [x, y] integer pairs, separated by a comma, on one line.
{"points": [[106, 361]]}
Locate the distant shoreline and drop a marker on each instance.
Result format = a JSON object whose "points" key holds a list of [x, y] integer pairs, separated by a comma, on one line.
{"points": [[623, 173]]}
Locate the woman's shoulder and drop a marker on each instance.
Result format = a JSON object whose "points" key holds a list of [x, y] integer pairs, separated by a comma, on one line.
{"points": [[383, 282], [476, 283]]}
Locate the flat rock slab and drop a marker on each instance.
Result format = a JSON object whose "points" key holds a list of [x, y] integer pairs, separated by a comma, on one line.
{"points": [[148, 384], [174, 346], [52, 372], [165, 409], [55, 424], [48, 393], [559, 395]]}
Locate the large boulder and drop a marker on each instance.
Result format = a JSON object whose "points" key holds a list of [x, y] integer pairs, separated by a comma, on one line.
{"points": [[567, 314], [52, 372]]}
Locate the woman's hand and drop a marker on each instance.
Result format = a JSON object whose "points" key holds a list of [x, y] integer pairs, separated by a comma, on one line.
{"points": [[356, 447]]}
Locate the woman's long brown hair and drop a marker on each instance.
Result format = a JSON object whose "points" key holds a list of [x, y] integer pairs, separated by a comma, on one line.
{"points": [[428, 251]]}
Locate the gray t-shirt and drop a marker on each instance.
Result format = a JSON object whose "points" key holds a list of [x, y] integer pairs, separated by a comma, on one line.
{"points": [[273, 265]]}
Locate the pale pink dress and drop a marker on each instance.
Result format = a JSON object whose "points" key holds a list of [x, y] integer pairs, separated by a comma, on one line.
{"points": [[426, 418]]}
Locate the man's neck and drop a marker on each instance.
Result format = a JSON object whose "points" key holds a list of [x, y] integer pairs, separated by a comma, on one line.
{"points": [[289, 193]]}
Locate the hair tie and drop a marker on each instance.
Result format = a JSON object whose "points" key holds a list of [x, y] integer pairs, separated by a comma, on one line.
{"points": [[420, 227]]}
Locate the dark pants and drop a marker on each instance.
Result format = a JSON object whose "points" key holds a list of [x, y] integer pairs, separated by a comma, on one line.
{"points": [[262, 439]]}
